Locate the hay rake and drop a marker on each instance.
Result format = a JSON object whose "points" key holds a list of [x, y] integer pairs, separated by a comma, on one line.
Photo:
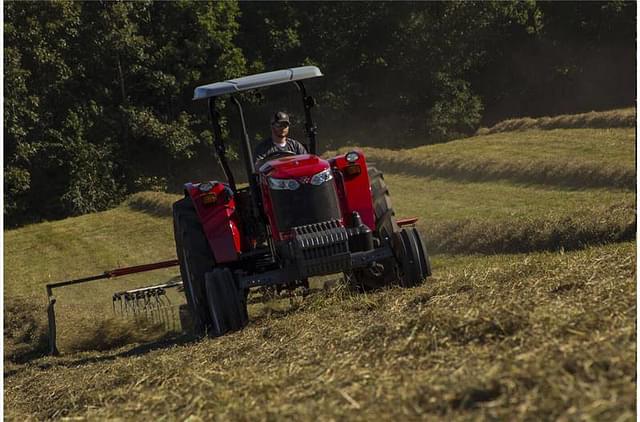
{"points": [[142, 303], [148, 303]]}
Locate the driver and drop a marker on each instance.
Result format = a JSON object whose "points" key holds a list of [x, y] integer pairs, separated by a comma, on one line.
{"points": [[278, 142]]}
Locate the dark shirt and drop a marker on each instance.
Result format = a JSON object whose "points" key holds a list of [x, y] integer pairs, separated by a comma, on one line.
{"points": [[267, 147]]}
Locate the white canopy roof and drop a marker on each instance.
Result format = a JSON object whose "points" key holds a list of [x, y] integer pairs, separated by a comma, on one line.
{"points": [[256, 81]]}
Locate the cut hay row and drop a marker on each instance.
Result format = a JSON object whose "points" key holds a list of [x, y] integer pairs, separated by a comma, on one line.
{"points": [[518, 168], [537, 337], [592, 223], [26, 335], [597, 226], [25, 329], [569, 175], [625, 117]]}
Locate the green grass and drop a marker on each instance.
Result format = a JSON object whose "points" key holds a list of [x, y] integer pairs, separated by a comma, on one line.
{"points": [[75, 247], [549, 334]]}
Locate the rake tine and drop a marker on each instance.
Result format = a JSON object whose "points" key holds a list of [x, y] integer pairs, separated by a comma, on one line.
{"points": [[167, 325], [174, 324]]}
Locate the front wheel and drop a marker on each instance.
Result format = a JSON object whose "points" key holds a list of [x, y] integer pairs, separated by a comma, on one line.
{"points": [[412, 257]]}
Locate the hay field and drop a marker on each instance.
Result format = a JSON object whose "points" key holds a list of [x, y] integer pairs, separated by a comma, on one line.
{"points": [[530, 313]]}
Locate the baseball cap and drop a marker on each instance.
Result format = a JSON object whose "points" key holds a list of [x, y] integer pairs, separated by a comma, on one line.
{"points": [[280, 116]]}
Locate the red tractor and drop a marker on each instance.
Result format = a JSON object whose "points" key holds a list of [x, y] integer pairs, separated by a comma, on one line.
{"points": [[300, 216]]}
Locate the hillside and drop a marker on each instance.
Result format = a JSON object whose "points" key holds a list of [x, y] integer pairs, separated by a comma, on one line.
{"points": [[530, 313]]}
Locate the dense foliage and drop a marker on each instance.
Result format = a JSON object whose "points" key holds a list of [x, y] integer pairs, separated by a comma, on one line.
{"points": [[98, 94]]}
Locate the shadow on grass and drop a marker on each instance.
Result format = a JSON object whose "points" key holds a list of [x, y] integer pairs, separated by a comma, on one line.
{"points": [[157, 204], [168, 341]]}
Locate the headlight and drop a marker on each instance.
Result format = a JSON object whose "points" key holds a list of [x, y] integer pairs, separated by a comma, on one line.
{"points": [[352, 156], [321, 177], [283, 184]]}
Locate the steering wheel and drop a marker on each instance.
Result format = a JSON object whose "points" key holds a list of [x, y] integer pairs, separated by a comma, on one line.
{"points": [[277, 154], [273, 156]]}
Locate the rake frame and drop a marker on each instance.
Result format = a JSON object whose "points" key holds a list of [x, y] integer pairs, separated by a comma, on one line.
{"points": [[51, 300]]}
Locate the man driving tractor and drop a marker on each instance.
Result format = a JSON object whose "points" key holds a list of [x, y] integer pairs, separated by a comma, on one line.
{"points": [[279, 140]]}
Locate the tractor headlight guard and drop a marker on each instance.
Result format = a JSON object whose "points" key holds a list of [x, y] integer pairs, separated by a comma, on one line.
{"points": [[323, 176], [283, 184]]}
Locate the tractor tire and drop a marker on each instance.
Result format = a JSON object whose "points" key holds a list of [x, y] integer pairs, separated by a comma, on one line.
{"points": [[412, 257], [196, 259], [425, 261], [385, 216], [385, 227], [227, 303]]}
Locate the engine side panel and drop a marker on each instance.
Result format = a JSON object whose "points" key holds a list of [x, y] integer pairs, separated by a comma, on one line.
{"points": [[354, 190], [216, 207]]}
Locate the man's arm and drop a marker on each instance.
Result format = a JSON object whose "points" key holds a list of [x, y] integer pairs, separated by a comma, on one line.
{"points": [[298, 148], [260, 152]]}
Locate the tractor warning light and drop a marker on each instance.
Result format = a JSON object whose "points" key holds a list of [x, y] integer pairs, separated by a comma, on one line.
{"points": [[209, 198], [352, 170]]}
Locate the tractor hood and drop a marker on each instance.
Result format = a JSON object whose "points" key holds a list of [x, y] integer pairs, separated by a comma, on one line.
{"points": [[294, 167]]}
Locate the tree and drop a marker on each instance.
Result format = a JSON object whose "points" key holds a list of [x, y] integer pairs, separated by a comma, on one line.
{"points": [[98, 98]]}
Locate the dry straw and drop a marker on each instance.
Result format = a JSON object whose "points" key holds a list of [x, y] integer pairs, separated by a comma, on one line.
{"points": [[625, 117], [526, 337]]}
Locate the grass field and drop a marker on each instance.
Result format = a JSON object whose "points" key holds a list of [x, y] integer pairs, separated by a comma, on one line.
{"points": [[530, 313], [576, 158]]}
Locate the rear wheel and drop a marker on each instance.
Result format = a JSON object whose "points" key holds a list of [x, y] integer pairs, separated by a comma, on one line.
{"points": [[227, 303], [386, 223], [195, 260]]}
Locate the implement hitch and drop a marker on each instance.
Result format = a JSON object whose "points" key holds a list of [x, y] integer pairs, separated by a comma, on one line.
{"points": [[157, 290]]}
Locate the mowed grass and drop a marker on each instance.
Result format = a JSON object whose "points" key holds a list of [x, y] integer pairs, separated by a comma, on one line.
{"points": [[506, 217], [549, 334], [80, 246], [563, 157], [538, 337], [438, 200]]}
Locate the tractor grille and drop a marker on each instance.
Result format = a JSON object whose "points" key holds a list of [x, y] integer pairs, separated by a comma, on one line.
{"points": [[321, 248], [306, 205]]}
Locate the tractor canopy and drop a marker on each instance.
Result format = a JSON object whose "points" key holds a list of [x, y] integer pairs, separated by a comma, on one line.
{"points": [[258, 80]]}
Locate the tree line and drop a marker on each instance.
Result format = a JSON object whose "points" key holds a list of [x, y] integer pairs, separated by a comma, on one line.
{"points": [[98, 94]]}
